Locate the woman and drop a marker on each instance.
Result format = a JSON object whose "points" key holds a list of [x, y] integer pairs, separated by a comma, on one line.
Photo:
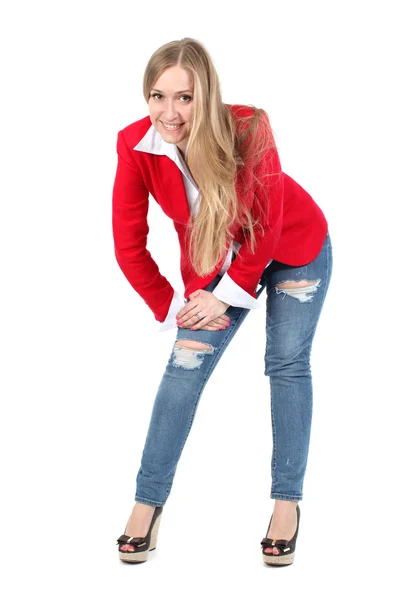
{"points": [[243, 225]]}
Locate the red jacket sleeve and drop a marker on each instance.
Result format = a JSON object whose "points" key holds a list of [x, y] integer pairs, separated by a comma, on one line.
{"points": [[130, 204], [247, 268]]}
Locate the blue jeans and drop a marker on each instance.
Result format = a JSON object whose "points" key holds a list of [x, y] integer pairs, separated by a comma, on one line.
{"points": [[292, 317]]}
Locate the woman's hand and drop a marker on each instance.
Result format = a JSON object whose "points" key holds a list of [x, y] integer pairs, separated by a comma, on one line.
{"points": [[207, 306]]}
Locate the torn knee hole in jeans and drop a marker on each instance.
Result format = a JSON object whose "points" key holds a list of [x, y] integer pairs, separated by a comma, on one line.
{"points": [[302, 290], [189, 354]]}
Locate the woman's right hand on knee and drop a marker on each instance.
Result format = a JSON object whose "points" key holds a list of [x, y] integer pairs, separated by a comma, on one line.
{"points": [[221, 322]]}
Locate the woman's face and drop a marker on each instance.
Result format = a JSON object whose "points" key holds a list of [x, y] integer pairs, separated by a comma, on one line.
{"points": [[171, 105]]}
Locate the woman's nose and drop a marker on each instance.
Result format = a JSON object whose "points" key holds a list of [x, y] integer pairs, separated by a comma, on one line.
{"points": [[170, 112]]}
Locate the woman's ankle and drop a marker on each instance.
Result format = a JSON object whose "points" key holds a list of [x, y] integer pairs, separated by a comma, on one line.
{"points": [[141, 509], [285, 505]]}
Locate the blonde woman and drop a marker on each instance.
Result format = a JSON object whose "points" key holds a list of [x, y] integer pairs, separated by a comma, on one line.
{"points": [[243, 225]]}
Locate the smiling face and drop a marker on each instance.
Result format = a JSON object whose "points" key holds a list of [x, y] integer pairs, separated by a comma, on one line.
{"points": [[171, 105]]}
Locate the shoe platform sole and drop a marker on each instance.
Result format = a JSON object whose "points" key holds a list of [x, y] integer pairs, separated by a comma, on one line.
{"points": [[279, 559]]}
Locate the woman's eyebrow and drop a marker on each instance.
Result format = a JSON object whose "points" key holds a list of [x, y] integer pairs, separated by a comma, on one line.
{"points": [[181, 91]]}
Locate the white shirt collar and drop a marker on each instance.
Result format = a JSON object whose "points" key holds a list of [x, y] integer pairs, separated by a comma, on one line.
{"points": [[153, 143]]}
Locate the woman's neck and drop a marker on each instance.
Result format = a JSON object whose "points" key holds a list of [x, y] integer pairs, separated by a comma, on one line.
{"points": [[181, 152]]}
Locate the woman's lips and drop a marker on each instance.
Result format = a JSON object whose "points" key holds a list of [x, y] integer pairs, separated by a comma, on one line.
{"points": [[171, 127]]}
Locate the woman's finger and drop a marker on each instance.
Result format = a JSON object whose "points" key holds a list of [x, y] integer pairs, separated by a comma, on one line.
{"points": [[225, 318], [220, 322]]}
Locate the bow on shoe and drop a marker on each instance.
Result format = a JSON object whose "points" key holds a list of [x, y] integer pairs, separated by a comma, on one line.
{"points": [[131, 541], [282, 545]]}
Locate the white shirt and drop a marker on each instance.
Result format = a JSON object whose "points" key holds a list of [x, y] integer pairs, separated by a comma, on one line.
{"points": [[226, 290]]}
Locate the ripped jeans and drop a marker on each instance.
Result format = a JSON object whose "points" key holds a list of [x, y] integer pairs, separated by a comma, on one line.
{"points": [[292, 317]]}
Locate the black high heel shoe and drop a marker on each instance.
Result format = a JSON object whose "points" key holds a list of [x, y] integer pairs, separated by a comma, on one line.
{"points": [[142, 545], [286, 548]]}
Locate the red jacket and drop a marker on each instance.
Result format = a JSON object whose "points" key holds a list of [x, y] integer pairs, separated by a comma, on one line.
{"points": [[295, 233]]}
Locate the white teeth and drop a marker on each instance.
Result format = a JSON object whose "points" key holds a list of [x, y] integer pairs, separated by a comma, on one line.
{"points": [[171, 127]]}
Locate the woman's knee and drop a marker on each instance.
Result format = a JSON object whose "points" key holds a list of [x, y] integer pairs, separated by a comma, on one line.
{"points": [[189, 354], [192, 344], [302, 290]]}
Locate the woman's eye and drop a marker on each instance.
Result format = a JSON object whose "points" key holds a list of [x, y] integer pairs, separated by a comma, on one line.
{"points": [[158, 96]]}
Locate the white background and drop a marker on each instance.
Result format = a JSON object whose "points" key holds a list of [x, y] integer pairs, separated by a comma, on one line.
{"points": [[82, 357]]}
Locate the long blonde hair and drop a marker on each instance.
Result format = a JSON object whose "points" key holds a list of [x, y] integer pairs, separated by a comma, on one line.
{"points": [[219, 146]]}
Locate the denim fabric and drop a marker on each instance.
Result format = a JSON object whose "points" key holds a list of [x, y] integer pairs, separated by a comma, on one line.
{"points": [[292, 317]]}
